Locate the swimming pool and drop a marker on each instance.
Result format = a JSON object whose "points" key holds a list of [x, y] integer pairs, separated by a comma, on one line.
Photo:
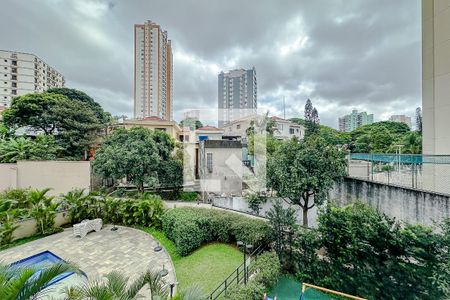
{"points": [[46, 259], [41, 261]]}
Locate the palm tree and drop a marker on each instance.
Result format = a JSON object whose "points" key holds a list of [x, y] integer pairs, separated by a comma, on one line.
{"points": [[8, 213], [116, 288], [43, 209], [193, 292], [77, 202], [18, 283], [15, 149]]}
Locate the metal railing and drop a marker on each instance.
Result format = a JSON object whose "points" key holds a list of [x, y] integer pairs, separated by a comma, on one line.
{"points": [[238, 276], [423, 172]]}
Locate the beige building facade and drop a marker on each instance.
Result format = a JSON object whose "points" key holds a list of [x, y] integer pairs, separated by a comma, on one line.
{"points": [[436, 76], [152, 123], [153, 79], [24, 73]]}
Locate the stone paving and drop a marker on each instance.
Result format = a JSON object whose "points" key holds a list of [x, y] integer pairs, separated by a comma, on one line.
{"points": [[127, 250]]}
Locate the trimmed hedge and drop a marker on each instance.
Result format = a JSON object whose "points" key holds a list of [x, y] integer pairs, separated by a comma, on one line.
{"points": [[189, 228]]}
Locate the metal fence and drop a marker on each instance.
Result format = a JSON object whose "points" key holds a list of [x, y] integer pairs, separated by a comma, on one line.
{"points": [[424, 172], [238, 276]]}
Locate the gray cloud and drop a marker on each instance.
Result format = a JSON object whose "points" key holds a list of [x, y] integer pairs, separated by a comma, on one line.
{"points": [[342, 54]]}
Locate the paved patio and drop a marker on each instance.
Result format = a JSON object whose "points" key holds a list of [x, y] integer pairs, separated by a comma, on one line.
{"points": [[127, 250]]}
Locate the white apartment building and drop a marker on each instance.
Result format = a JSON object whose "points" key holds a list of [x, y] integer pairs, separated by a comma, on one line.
{"points": [[401, 119], [284, 129], [153, 80], [24, 73]]}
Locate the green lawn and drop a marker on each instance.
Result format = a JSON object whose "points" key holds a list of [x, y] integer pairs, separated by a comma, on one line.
{"points": [[208, 266]]}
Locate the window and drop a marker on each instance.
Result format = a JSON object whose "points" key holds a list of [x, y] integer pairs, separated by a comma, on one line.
{"points": [[14, 92], [13, 77], [209, 162], [238, 126], [291, 130], [14, 62]]}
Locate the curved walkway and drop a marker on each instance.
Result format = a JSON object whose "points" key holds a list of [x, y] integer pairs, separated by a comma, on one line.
{"points": [[127, 250]]}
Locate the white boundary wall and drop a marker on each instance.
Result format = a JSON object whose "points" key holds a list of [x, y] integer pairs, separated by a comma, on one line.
{"points": [[60, 176]]}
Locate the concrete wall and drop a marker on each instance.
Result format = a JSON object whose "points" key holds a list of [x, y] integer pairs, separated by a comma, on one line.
{"points": [[413, 206], [27, 227], [60, 176], [436, 76]]}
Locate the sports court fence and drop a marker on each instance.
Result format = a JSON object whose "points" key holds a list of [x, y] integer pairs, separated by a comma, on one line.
{"points": [[416, 171]]}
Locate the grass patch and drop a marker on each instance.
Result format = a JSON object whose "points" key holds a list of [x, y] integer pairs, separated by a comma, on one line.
{"points": [[208, 266]]}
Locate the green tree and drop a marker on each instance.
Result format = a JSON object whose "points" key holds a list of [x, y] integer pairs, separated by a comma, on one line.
{"points": [[370, 255], [304, 171], [141, 156], [18, 283], [192, 123], [74, 123], [283, 222], [76, 95]]}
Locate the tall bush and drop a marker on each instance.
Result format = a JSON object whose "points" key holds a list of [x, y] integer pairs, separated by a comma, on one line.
{"points": [[370, 255], [189, 228]]}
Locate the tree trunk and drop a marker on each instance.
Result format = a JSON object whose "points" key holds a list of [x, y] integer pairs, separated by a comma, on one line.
{"points": [[305, 216]]}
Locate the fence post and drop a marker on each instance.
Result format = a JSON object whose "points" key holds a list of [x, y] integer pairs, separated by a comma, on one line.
{"points": [[237, 275], [226, 286]]}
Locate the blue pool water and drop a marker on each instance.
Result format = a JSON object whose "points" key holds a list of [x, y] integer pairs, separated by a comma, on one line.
{"points": [[41, 261]]}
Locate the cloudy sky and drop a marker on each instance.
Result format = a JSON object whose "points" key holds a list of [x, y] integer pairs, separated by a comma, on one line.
{"points": [[342, 54]]}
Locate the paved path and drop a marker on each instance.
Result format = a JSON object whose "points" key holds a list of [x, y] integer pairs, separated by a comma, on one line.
{"points": [[127, 250]]}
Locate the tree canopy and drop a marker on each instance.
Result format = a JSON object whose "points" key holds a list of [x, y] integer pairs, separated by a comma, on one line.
{"points": [[141, 156], [304, 171], [373, 256], [192, 123], [70, 115]]}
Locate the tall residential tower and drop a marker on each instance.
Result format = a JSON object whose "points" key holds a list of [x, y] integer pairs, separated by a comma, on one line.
{"points": [[153, 79], [237, 91], [24, 73], [354, 120]]}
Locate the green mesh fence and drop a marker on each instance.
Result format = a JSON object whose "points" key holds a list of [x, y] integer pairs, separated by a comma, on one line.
{"points": [[314, 294], [288, 288]]}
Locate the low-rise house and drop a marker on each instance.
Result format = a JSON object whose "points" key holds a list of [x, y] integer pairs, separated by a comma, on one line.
{"points": [[152, 123], [286, 129], [221, 167]]}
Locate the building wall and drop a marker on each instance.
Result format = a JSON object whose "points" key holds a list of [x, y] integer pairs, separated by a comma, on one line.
{"points": [[237, 94], [409, 205], [153, 80], [436, 76], [60, 176], [24, 73], [227, 167]]}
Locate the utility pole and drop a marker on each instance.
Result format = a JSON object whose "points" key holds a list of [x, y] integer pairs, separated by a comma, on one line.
{"points": [[284, 107]]}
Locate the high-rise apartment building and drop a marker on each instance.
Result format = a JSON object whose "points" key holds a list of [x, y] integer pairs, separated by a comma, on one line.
{"points": [[354, 120], [401, 119], [436, 76], [24, 73], [237, 94], [153, 79]]}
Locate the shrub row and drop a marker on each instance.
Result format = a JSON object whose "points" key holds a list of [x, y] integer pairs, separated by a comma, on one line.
{"points": [[266, 270], [144, 211], [190, 227]]}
